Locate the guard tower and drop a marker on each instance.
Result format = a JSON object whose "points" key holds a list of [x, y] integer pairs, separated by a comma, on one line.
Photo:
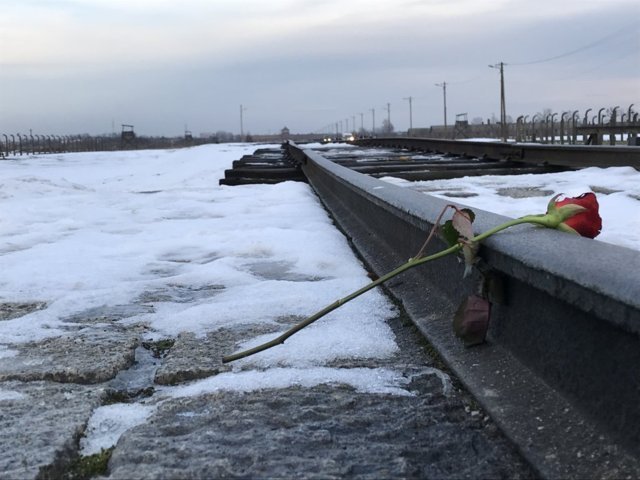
{"points": [[127, 137], [461, 128], [284, 134]]}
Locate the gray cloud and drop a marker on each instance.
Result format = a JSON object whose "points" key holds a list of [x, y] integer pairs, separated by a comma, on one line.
{"points": [[308, 66]]}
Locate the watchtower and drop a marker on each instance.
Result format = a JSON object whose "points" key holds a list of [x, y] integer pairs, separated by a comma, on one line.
{"points": [[284, 133], [127, 137], [461, 128]]}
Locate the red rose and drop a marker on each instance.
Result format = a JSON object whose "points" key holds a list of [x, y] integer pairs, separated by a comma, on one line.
{"points": [[586, 221]]}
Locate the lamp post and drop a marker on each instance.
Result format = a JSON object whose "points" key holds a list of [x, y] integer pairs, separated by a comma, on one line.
{"points": [[242, 110], [503, 107], [373, 122], [410, 112], [388, 118], [444, 95]]}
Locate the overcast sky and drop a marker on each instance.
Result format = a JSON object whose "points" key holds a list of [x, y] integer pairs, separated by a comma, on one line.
{"points": [[76, 66]]}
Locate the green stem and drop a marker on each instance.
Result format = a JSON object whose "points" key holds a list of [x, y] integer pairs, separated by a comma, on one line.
{"points": [[413, 262], [536, 219]]}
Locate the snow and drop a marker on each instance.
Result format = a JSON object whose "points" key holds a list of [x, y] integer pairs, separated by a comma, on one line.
{"points": [[83, 230], [368, 380], [617, 190], [10, 395], [86, 230], [108, 423]]}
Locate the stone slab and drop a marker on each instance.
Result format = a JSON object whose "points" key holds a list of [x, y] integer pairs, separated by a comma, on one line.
{"points": [[40, 423], [92, 355], [322, 432], [329, 431]]}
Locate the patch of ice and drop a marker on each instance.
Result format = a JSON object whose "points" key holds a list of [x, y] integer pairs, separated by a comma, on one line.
{"points": [[366, 380], [108, 423], [10, 395], [6, 352]]}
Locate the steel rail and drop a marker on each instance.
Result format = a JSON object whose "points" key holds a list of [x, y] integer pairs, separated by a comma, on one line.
{"points": [[575, 156], [559, 371]]}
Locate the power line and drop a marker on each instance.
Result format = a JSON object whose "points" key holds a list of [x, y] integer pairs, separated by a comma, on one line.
{"points": [[469, 80], [580, 49], [596, 68]]}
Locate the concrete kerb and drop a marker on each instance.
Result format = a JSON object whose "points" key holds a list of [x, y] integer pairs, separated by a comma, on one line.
{"points": [[556, 372]]}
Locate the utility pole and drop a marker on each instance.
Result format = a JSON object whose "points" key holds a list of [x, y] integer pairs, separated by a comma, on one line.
{"points": [[389, 117], [362, 122], [410, 112], [444, 93], [242, 109], [373, 122], [503, 108]]}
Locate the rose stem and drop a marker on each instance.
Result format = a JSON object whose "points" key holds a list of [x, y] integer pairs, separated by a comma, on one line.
{"points": [[413, 262]]}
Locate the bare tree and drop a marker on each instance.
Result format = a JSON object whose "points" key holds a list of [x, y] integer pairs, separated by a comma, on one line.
{"points": [[387, 126]]}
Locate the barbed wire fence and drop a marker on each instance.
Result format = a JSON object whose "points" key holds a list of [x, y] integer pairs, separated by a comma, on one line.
{"points": [[12, 145]]}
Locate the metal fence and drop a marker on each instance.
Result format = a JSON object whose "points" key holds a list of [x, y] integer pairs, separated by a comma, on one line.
{"points": [[12, 145], [606, 125]]}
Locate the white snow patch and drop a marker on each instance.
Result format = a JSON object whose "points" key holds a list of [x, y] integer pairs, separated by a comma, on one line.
{"points": [[10, 395], [6, 352], [366, 380], [101, 230], [86, 230], [108, 423]]}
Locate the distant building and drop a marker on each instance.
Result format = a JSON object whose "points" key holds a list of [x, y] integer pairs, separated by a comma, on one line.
{"points": [[284, 133]]}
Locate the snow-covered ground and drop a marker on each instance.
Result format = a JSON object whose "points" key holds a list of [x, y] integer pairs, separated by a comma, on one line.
{"points": [[90, 229], [86, 230]]}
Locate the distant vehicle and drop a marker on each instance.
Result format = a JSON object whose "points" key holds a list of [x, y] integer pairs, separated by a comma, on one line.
{"points": [[348, 137]]}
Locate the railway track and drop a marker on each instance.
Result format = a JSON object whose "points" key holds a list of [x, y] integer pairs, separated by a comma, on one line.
{"points": [[425, 159], [558, 373]]}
